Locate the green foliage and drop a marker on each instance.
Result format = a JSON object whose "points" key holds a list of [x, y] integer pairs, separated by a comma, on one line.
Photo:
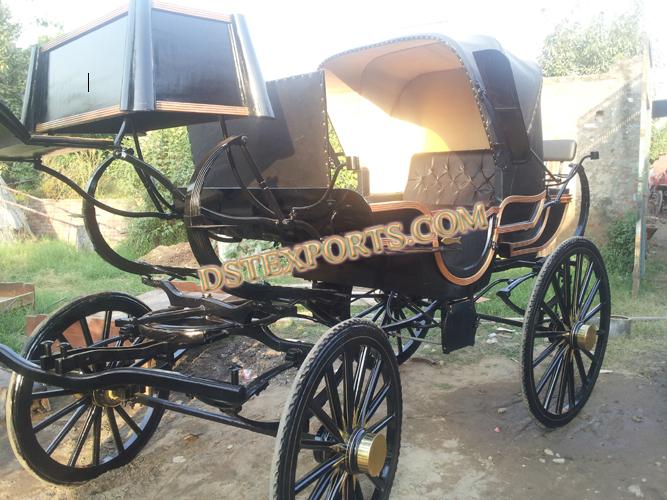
{"points": [[246, 248], [658, 143], [60, 273], [347, 179], [13, 63], [619, 249], [169, 151], [576, 49], [13, 69]]}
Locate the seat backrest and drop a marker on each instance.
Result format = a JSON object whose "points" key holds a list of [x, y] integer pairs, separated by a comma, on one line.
{"points": [[452, 178]]}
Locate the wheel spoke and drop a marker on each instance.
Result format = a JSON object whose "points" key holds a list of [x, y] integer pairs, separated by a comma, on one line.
{"points": [[128, 420], [334, 399], [338, 486], [107, 325], [576, 282], [553, 316], [51, 393], [97, 435], [542, 334], [326, 420], [591, 313], [82, 437], [589, 300], [348, 390], [588, 354], [378, 482], [369, 391], [322, 485], [584, 286], [554, 381], [311, 442], [544, 354], [310, 477], [360, 375], [59, 414], [66, 429], [377, 401], [580, 367], [375, 428], [567, 281], [562, 304], [87, 337], [562, 386], [114, 430], [570, 382], [550, 369]]}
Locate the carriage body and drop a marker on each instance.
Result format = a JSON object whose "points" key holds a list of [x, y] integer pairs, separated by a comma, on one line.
{"points": [[429, 124], [435, 124]]}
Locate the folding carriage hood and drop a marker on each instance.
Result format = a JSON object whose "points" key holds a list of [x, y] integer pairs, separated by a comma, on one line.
{"points": [[439, 95]]}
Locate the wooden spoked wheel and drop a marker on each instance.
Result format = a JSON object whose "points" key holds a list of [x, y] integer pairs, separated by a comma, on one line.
{"points": [[345, 444], [65, 437], [393, 308], [565, 332]]}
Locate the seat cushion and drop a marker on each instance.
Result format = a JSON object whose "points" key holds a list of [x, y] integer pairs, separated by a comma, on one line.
{"points": [[453, 178]]}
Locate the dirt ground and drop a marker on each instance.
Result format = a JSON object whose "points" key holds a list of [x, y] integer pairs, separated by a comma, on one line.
{"points": [[466, 435]]}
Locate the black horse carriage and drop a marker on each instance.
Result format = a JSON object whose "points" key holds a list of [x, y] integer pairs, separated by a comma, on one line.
{"points": [[436, 124]]}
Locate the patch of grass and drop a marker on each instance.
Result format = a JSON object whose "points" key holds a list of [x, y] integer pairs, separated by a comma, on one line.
{"points": [[60, 273]]}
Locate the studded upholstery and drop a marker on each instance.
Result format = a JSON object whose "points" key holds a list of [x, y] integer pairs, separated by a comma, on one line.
{"points": [[454, 178]]}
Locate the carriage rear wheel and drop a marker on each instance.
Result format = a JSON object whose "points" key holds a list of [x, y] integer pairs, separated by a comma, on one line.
{"points": [[565, 332], [65, 437], [392, 308], [340, 433]]}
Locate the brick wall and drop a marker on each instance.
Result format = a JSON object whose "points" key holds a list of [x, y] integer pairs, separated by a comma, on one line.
{"points": [[65, 221], [602, 112]]}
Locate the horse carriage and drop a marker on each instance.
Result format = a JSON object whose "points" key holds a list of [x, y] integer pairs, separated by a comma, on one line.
{"points": [[429, 124]]}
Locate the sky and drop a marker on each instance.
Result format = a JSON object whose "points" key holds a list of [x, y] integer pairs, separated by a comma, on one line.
{"points": [[294, 36]]}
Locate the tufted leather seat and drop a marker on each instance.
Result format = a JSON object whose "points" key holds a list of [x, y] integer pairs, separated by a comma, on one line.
{"points": [[453, 178]]}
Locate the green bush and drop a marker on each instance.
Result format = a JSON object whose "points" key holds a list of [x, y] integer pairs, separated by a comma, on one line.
{"points": [[619, 250], [169, 151]]}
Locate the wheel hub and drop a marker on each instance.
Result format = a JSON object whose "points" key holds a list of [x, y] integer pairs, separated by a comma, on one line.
{"points": [[585, 336], [367, 452], [109, 398]]}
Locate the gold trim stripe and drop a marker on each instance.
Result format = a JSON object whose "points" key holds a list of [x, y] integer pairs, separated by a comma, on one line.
{"points": [[179, 9], [87, 117], [193, 107], [84, 29]]}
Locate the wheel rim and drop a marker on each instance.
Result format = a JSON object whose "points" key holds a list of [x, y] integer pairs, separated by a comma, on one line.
{"points": [[348, 446], [393, 308], [569, 334], [69, 433]]}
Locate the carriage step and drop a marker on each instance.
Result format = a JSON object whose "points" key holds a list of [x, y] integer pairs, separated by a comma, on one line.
{"points": [[459, 326]]}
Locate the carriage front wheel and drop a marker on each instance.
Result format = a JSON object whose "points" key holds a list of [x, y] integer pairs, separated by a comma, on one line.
{"points": [[340, 432], [565, 332], [65, 437]]}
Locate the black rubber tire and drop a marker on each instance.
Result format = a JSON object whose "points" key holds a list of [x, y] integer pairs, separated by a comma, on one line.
{"points": [[30, 453], [572, 352], [343, 336]]}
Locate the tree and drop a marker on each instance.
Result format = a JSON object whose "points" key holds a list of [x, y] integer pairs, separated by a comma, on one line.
{"points": [[576, 49], [13, 62], [658, 143]]}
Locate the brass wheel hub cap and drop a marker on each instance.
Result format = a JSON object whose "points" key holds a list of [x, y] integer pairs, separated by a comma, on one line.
{"points": [[367, 452], [585, 336], [108, 398]]}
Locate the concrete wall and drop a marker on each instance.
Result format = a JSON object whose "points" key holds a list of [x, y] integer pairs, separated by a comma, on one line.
{"points": [[602, 112], [65, 222]]}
